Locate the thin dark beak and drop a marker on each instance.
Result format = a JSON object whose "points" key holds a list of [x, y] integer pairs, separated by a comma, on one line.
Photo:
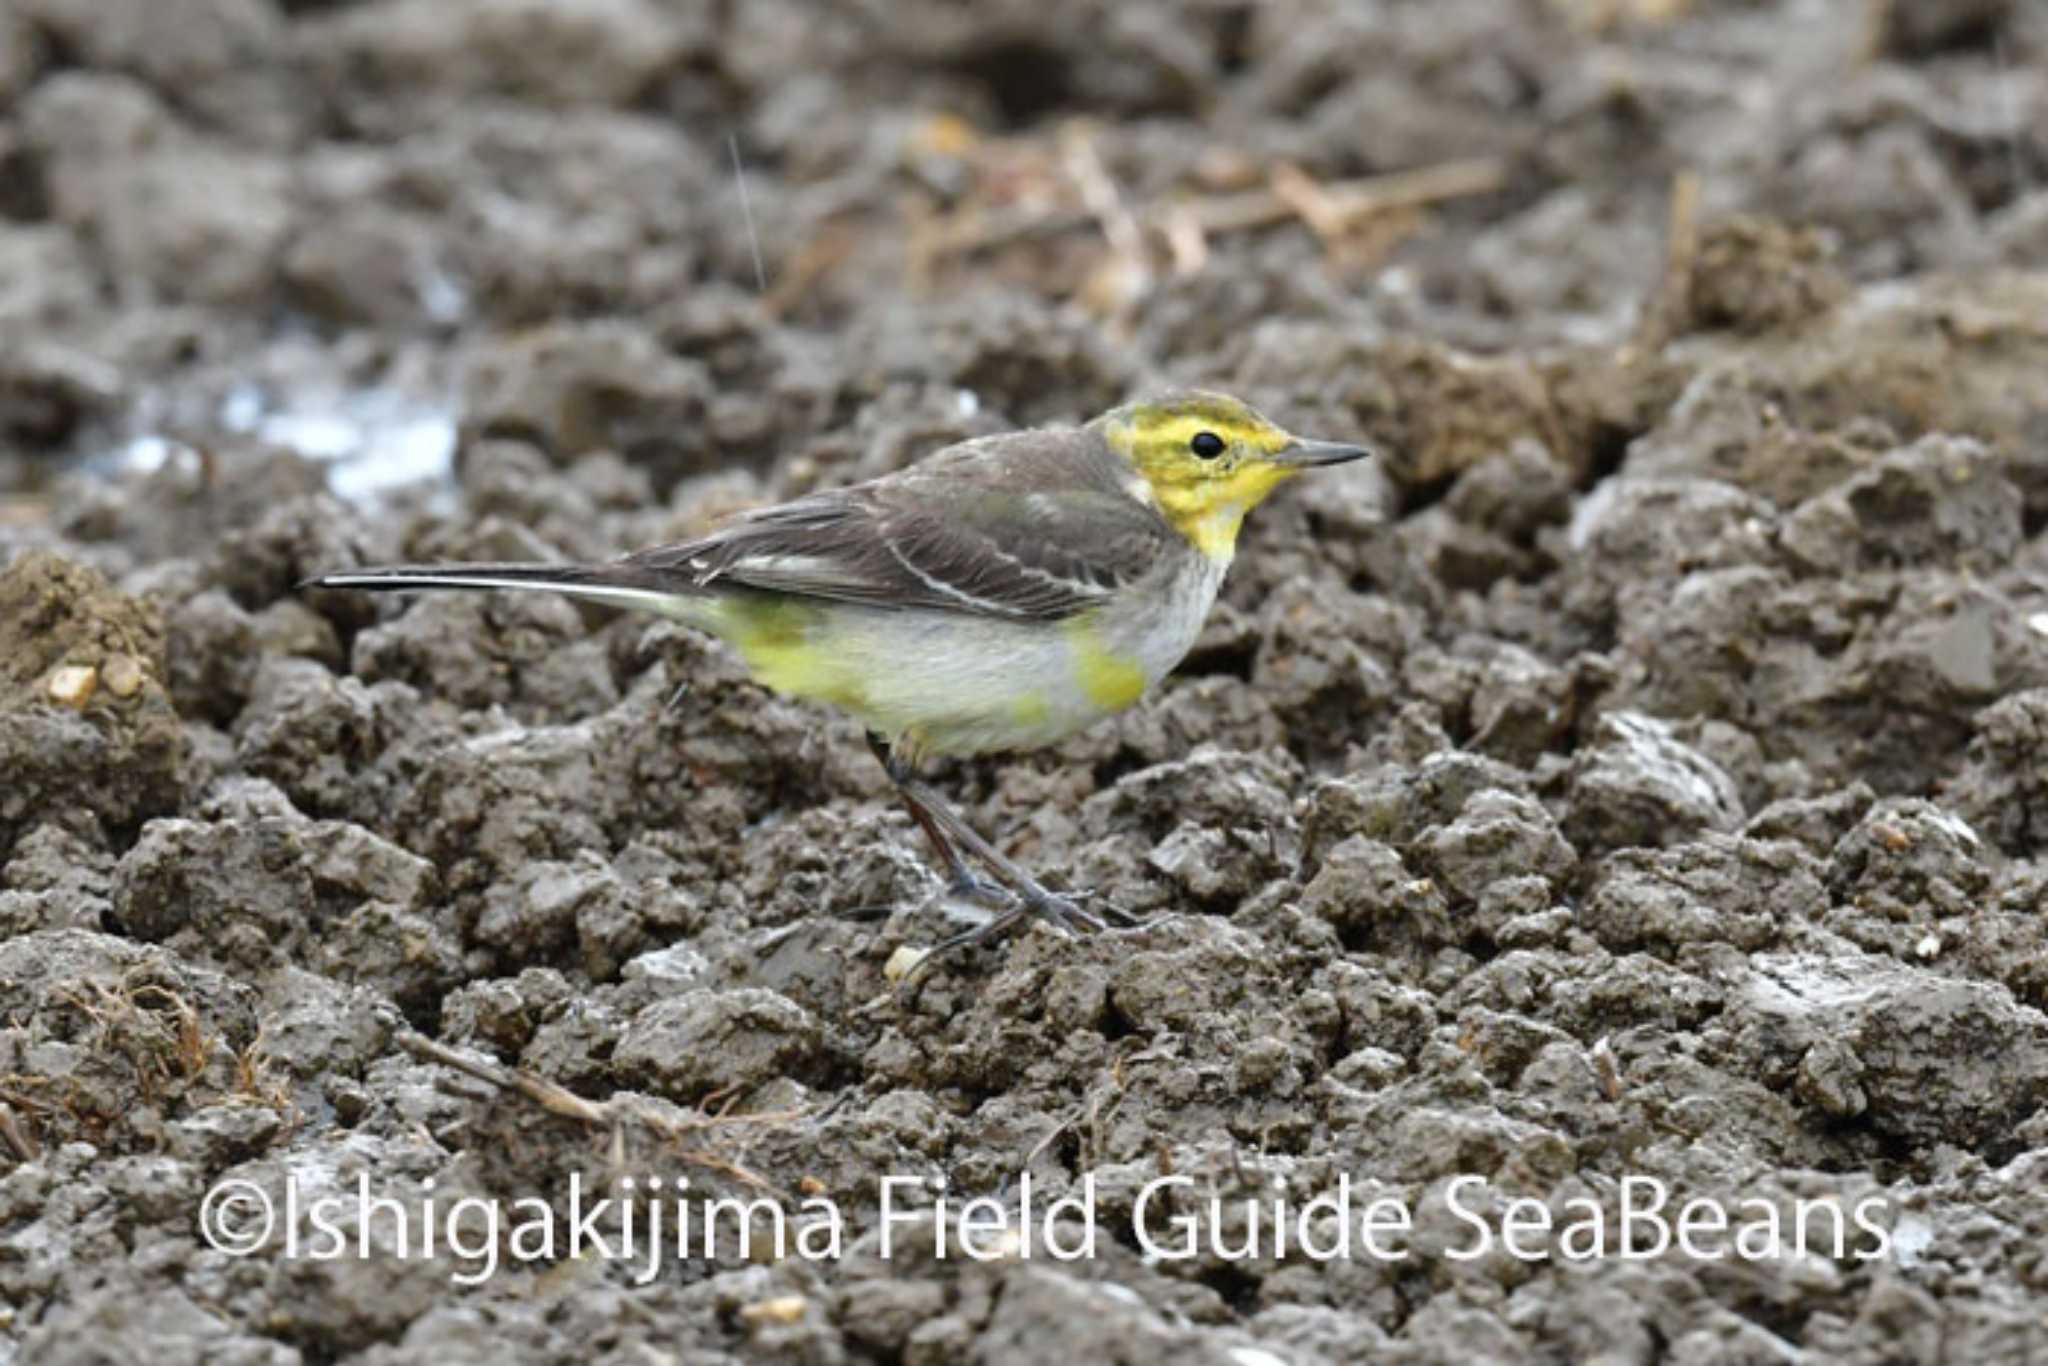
{"points": [[1308, 454]]}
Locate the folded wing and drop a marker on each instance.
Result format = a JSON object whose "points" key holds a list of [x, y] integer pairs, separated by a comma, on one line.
{"points": [[1040, 555]]}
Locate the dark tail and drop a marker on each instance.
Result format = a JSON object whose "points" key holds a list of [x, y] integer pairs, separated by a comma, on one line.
{"points": [[615, 585]]}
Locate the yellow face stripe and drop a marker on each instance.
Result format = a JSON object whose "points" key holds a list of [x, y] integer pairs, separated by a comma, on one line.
{"points": [[1170, 434]]}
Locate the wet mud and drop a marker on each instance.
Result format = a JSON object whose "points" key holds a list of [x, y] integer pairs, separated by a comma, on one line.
{"points": [[1627, 794]]}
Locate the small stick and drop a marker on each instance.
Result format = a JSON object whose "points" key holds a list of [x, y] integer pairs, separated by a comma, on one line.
{"points": [[1310, 202], [1666, 315], [611, 1114], [1350, 200], [1186, 243], [555, 1099], [1099, 193], [18, 1138], [1606, 1069]]}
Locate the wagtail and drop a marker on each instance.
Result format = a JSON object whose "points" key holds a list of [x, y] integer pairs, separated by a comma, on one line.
{"points": [[1001, 594]]}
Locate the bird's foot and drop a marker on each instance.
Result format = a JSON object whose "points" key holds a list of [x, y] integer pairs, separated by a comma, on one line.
{"points": [[1064, 910], [981, 891], [1116, 917], [1061, 910]]}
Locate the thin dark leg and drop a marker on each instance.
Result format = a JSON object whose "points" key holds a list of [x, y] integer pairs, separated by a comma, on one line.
{"points": [[1058, 911], [962, 879], [1062, 912], [950, 833]]}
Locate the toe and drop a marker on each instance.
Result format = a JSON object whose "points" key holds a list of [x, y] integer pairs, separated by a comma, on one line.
{"points": [[969, 887], [1062, 913], [1067, 908]]}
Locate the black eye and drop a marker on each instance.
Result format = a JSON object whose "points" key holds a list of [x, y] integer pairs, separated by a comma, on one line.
{"points": [[1207, 445]]}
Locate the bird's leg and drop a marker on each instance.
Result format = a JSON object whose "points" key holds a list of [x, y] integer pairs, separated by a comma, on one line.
{"points": [[950, 833], [1062, 913], [961, 880]]}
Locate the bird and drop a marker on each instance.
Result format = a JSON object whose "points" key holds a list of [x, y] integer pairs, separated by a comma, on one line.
{"points": [[999, 595]]}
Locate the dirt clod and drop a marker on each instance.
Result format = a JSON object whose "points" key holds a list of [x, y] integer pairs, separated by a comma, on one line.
{"points": [[1628, 787]]}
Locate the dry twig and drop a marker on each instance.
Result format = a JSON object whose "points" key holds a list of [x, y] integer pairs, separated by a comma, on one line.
{"points": [[678, 1128], [18, 1138], [1023, 195], [1343, 203], [1667, 313]]}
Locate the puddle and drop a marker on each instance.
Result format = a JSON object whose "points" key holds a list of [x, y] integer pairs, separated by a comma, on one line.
{"points": [[372, 441]]}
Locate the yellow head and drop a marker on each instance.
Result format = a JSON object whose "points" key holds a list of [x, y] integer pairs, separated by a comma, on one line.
{"points": [[1204, 460]]}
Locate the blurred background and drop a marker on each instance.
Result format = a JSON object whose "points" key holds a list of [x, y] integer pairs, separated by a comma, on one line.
{"points": [[703, 233]]}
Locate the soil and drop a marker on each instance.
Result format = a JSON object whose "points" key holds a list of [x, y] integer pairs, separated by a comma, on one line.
{"points": [[1629, 788]]}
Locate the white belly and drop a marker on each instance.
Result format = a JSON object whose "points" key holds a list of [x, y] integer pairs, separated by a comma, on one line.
{"points": [[959, 684]]}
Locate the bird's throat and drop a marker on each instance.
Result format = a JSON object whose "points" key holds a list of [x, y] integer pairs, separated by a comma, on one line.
{"points": [[1211, 513], [1211, 529]]}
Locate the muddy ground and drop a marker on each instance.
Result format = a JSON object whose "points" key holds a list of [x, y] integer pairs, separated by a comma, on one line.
{"points": [[1632, 788]]}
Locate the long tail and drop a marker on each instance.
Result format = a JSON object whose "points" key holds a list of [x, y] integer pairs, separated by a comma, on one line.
{"points": [[613, 584]]}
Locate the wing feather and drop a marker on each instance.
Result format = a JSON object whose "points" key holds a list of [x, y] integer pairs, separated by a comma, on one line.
{"points": [[914, 543]]}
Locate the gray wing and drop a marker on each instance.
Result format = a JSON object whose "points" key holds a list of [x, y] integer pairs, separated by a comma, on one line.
{"points": [[931, 543]]}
